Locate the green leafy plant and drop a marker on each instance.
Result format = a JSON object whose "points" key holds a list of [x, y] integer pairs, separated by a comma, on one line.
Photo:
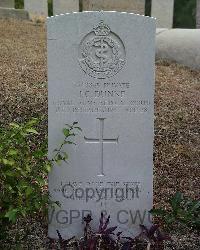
{"points": [[69, 132], [182, 209], [24, 168]]}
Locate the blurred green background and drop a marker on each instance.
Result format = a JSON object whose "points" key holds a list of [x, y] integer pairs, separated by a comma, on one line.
{"points": [[184, 11]]}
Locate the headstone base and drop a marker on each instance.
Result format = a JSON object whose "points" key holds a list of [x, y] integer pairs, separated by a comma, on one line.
{"points": [[13, 13], [7, 4]]}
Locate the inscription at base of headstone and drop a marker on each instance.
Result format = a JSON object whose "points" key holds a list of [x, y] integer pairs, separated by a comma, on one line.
{"points": [[36, 8], [63, 6], [135, 6], [101, 75]]}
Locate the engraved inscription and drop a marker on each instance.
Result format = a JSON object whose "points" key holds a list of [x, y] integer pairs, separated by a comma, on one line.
{"points": [[101, 140], [102, 97], [101, 53]]}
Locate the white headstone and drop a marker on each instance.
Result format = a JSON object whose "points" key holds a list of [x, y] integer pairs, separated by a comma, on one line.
{"points": [[134, 6], [163, 10], [7, 3], [101, 74], [36, 8], [65, 6]]}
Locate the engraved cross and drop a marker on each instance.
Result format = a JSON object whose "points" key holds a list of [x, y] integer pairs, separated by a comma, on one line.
{"points": [[101, 141]]}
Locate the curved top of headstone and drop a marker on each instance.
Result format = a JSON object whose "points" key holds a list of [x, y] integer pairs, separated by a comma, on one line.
{"points": [[100, 12]]}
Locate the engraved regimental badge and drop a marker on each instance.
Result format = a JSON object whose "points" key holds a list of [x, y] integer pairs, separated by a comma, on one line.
{"points": [[101, 53]]}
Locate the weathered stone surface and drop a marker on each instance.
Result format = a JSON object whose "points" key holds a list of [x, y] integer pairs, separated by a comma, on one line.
{"points": [[163, 11], [134, 6], [13, 13], [179, 45], [7, 3], [36, 8], [63, 6], [101, 74]]}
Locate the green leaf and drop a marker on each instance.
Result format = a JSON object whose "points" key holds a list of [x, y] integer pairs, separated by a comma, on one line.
{"points": [[37, 204], [40, 180], [58, 162], [9, 173], [72, 134], [29, 190], [28, 168], [39, 153], [176, 200], [59, 157], [48, 167], [66, 132], [69, 142], [195, 206], [169, 218], [23, 212], [32, 122], [8, 162], [12, 152], [14, 125], [32, 131], [158, 212], [65, 155], [12, 215]]}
